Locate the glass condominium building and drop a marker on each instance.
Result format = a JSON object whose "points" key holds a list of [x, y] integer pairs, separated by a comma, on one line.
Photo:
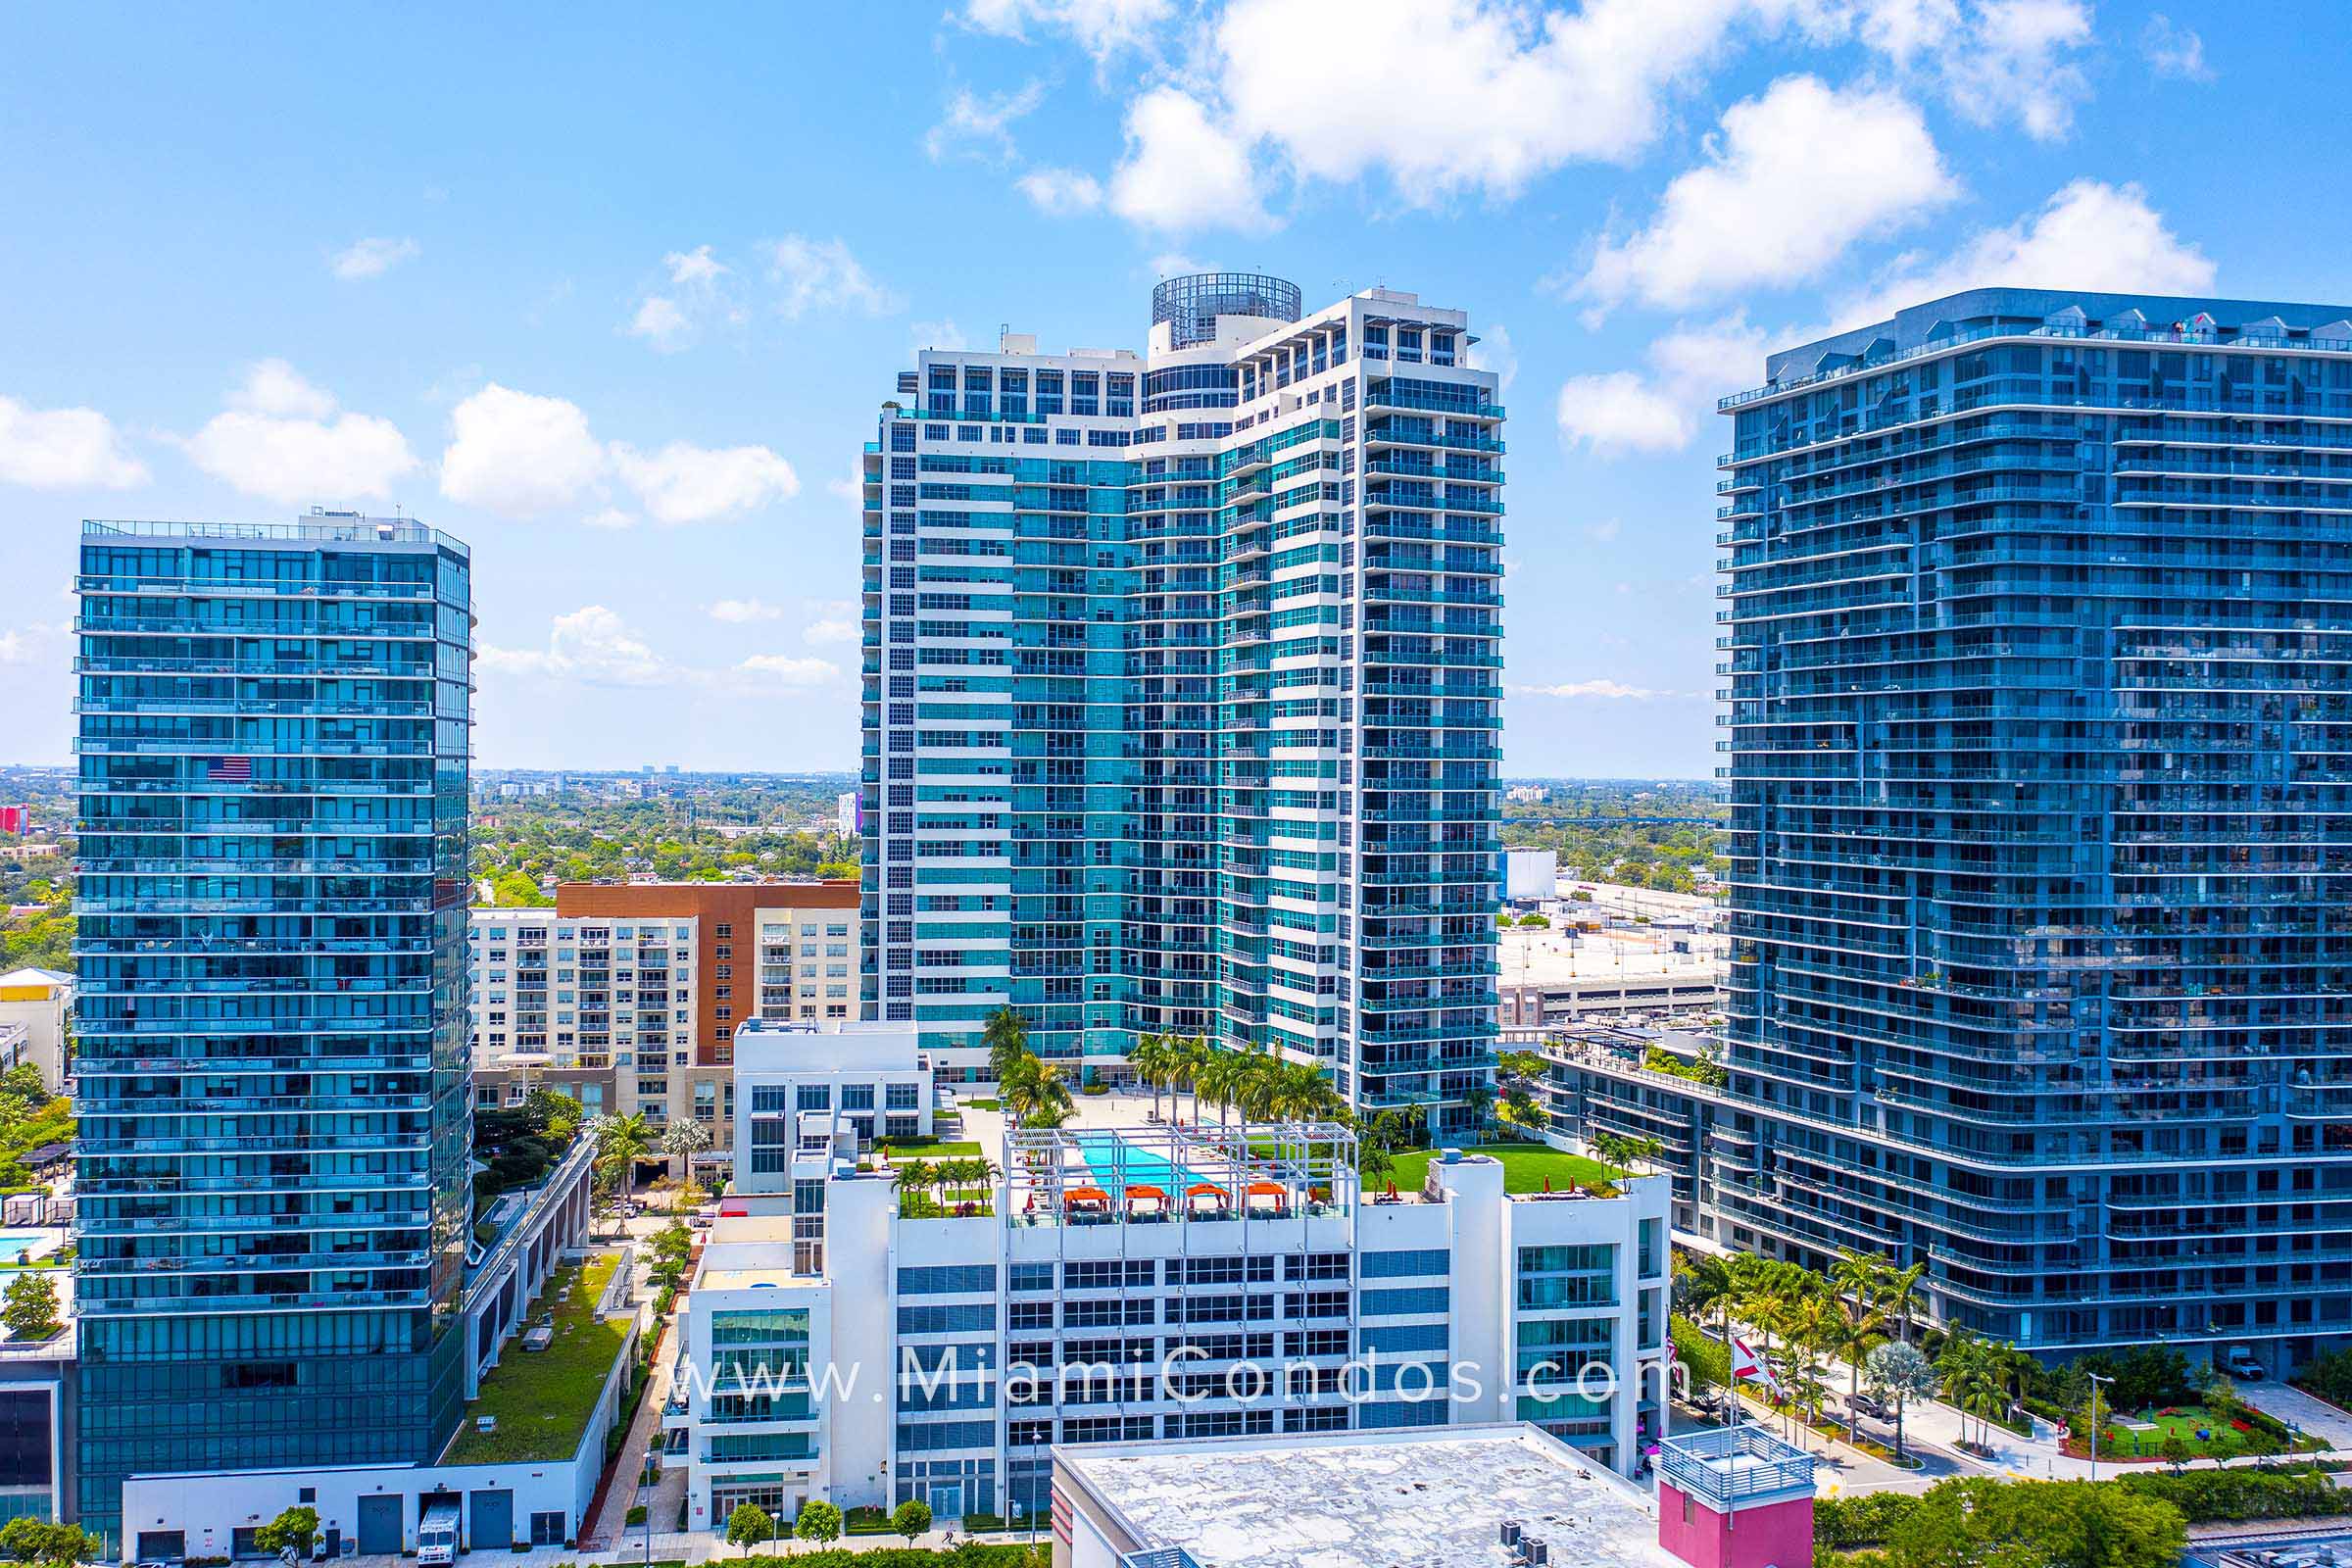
{"points": [[2040, 644], [1182, 691], [271, 1063]]}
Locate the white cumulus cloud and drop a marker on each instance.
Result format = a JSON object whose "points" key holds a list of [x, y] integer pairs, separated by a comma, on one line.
{"points": [[833, 629], [686, 483], [1613, 689], [783, 670], [64, 448], [1495, 351], [518, 453], [2173, 50], [282, 438], [1795, 176], [742, 611], [979, 127], [697, 290], [662, 322], [1618, 411], [1660, 408], [2090, 235], [1060, 192], [695, 267], [593, 646], [371, 258], [1101, 26], [2015, 61], [822, 276], [1448, 95], [1184, 170]]}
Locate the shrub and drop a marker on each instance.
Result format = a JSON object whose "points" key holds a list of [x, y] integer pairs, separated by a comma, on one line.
{"points": [[1863, 1520], [1706, 1360], [637, 1514], [2206, 1496], [2328, 1376]]}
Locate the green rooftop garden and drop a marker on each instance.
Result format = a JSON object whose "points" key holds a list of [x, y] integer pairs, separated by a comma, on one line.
{"points": [[1525, 1169], [542, 1398], [928, 1147]]}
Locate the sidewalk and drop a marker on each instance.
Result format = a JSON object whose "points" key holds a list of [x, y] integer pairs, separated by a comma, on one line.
{"points": [[619, 1492]]}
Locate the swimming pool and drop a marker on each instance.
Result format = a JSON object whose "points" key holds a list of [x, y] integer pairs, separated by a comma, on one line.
{"points": [[14, 1242], [1118, 1164]]}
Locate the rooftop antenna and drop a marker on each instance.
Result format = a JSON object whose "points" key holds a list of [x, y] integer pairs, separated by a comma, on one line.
{"points": [[1004, 332]]}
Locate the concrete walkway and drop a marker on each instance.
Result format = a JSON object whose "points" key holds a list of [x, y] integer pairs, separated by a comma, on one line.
{"points": [[1935, 1431], [2301, 1411], [620, 1490]]}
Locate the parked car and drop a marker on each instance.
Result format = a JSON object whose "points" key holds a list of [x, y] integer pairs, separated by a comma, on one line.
{"points": [[2238, 1362], [1864, 1405]]}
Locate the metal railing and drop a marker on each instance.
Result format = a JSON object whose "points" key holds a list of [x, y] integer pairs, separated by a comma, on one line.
{"points": [[1735, 1465]]}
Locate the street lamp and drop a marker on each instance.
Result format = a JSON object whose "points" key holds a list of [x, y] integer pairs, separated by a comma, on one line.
{"points": [[2097, 1383]]}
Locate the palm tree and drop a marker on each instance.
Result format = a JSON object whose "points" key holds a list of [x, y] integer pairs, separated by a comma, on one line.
{"points": [[620, 1143], [1479, 1101], [1153, 1058], [1901, 1297], [1303, 1091], [1186, 1060], [1220, 1079], [1704, 1284], [1972, 1380], [1006, 1036], [1037, 1094], [1374, 1163], [1860, 1281], [912, 1176]]}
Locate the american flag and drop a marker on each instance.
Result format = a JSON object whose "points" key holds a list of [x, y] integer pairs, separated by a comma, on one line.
{"points": [[230, 770]]}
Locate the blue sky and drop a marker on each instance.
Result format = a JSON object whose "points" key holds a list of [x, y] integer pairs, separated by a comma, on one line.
{"points": [[613, 293]]}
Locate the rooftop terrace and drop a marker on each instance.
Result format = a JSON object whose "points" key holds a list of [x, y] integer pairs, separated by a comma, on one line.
{"points": [[1167, 1173], [1401, 1500], [542, 1399]]}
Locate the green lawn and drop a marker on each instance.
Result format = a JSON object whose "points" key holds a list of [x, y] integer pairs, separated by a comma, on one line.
{"points": [[2224, 1443], [928, 1147], [542, 1398], [1523, 1169]]}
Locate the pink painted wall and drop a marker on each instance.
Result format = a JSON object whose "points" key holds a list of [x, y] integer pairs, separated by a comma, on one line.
{"points": [[1777, 1535]]}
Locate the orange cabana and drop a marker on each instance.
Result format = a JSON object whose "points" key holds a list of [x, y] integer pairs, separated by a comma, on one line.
{"points": [[1142, 1191], [1268, 1190]]}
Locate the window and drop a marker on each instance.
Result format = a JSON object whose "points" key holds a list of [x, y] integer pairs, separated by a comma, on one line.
{"points": [[947, 1279], [1394, 1303], [1391, 1265], [975, 1318], [901, 1097]]}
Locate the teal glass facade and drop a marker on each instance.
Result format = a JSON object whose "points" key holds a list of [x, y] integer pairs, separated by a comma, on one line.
{"points": [[272, 1058], [2038, 632], [1183, 693]]}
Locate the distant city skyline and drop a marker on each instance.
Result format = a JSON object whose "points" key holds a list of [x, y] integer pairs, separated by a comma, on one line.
{"points": [[631, 358]]}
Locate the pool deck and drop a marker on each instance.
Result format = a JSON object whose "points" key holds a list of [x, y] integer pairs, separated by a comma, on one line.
{"points": [[38, 1242]]}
